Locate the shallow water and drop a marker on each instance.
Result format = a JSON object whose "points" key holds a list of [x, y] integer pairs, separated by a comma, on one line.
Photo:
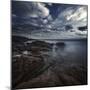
{"points": [[73, 51], [69, 62]]}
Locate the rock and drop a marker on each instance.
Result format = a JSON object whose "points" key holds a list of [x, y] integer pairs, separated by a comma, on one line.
{"points": [[19, 39], [60, 44], [25, 67], [18, 45], [41, 44]]}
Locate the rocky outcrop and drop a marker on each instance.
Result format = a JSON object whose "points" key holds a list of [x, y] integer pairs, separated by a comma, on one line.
{"points": [[26, 67], [60, 44]]}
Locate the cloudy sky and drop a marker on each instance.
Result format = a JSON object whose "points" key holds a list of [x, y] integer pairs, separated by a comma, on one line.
{"points": [[49, 15]]}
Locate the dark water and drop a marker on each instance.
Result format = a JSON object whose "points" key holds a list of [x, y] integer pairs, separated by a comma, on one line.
{"points": [[74, 52], [69, 62]]}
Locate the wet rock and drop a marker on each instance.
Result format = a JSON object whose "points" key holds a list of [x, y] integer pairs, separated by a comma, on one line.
{"points": [[60, 44], [19, 39], [41, 44], [25, 67]]}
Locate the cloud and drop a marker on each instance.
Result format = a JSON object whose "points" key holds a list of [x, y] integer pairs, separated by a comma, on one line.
{"points": [[30, 9], [31, 12], [44, 12], [45, 21], [14, 16], [50, 4], [81, 32], [38, 10], [76, 16], [50, 18]]}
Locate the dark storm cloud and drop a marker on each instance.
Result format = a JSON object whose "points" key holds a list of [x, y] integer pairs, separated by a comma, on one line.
{"points": [[31, 11], [49, 15]]}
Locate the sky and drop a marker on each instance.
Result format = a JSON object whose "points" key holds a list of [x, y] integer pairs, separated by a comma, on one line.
{"points": [[49, 15]]}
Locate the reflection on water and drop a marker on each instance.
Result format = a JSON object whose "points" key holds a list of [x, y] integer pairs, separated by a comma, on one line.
{"points": [[54, 53], [70, 53], [73, 52], [69, 62]]}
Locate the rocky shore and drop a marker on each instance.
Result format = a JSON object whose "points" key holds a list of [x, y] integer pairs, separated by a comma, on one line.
{"points": [[33, 66], [27, 60]]}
